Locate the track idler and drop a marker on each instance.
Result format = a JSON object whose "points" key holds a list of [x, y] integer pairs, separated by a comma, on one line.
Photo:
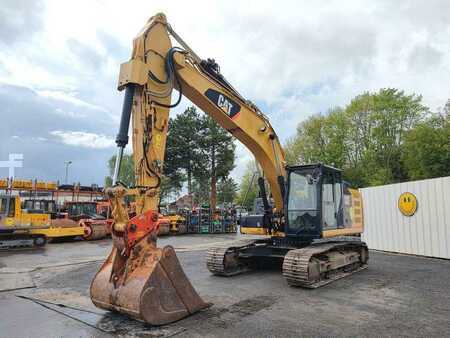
{"points": [[143, 281]]}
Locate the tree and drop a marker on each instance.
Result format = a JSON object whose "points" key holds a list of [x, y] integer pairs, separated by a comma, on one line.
{"points": [[126, 174], [226, 190], [218, 149], [168, 189], [200, 191], [248, 189], [197, 151], [171, 181], [321, 138], [365, 139], [427, 149], [377, 123], [446, 110], [173, 176], [184, 147]]}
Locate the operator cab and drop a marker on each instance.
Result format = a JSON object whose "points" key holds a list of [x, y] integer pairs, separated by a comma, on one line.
{"points": [[313, 200], [80, 210], [7, 209], [42, 206]]}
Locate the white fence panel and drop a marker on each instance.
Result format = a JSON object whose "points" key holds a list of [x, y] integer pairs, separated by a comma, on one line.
{"points": [[426, 233]]}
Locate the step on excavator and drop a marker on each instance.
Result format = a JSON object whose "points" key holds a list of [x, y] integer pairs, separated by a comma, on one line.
{"points": [[313, 230]]}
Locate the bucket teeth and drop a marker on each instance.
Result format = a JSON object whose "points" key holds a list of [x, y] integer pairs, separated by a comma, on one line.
{"points": [[153, 287]]}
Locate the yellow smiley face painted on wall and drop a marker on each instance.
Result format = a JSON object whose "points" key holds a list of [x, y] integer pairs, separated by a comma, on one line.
{"points": [[407, 204]]}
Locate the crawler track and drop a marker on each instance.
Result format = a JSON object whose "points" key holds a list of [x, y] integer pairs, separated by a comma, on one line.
{"points": [[20, 241], [321, 264], [224, 261]]}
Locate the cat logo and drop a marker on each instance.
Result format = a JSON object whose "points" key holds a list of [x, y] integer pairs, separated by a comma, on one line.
{"points": [[227, 105], [224, 104]]}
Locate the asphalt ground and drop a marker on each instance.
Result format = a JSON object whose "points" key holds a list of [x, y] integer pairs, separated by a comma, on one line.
{"points": [[45, 293]]}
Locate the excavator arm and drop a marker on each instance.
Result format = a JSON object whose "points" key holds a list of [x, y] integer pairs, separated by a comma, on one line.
{"points": [[138, 278]]}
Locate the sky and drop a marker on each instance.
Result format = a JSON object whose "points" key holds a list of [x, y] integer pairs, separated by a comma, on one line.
{"points": [[59, 64]]}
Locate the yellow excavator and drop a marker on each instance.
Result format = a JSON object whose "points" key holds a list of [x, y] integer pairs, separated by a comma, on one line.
{"points": [[314, 227]]}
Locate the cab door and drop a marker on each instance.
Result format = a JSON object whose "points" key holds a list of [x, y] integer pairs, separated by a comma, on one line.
{"points": [[7, 207], [331, 204], [303, 209], [329, 215]]}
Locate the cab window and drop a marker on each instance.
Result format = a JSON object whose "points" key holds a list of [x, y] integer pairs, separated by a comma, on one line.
{"points": [[302, 193], [329, 206]]}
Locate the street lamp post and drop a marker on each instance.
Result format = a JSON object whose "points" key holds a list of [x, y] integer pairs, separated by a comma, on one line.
{"points": [[67, 163]]}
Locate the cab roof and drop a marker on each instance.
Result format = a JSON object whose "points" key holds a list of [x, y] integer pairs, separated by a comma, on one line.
{"points": [[310, 166]]}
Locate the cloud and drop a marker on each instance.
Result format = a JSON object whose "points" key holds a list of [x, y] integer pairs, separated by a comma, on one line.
{"points": [[28, 119], [425, 58], [71, 114], [39, 139], [293, 60], [68, 97], [19, 19], [84, 139], [89, 55]]}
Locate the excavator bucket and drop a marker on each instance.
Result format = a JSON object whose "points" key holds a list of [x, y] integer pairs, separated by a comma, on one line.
{"points": [[150, 284]]}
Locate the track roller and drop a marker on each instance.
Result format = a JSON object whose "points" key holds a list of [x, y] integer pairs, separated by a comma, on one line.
{"points": [[321, 264]]}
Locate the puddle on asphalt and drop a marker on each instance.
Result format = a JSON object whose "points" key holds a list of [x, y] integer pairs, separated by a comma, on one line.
{"points": [[118, 324], [109, 322], [225, 317]]}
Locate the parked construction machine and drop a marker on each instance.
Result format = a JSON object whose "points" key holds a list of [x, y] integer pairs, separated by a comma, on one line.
{"points": [[29, 215], [178, 224], [94, 226], [309, 233], [19, 228], [27, 219], [252, 223]]}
